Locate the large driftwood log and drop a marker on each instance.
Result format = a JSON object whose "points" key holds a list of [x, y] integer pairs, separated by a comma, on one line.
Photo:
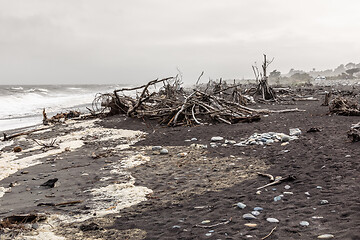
{"points": [[9, 137]]}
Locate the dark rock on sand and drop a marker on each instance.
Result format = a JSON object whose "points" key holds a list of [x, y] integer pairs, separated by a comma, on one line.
{"points": [[89, 227], [49, 183]]}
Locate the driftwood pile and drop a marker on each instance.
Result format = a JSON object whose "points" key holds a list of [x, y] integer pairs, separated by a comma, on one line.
{"points": [[60, 117], [263, 88], [354, 133], [171, 105], [344, 106]]}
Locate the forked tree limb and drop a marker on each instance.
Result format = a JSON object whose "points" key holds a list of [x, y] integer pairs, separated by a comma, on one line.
{"points": [[182, 107], [51, 144], [280, 180], [271, 177], [149, 83]]}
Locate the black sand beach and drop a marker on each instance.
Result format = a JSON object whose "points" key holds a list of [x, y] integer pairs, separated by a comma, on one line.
{"points": [[132, 192]]}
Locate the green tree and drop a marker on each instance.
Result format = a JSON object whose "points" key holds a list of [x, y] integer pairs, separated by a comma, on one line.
{"points": [[301, 76], [275, 74], [352, 71]]}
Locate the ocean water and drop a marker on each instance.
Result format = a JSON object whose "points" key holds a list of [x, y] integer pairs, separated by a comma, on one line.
{"points": [[21, 106]]}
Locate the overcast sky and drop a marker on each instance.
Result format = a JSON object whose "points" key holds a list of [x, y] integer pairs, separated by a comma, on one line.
{"points": [[117, 41]]}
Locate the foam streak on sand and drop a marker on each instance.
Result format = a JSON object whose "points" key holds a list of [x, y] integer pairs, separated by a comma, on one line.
{"points": [[123, 194], [11, 162]]}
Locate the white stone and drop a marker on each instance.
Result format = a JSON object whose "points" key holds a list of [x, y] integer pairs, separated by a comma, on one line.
{"points": [[304, 223], [295, 131], [325, 236], [272, 220], [217, 139]]}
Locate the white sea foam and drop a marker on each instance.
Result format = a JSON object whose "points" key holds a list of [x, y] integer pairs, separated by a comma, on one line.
{"points": [[123, 194], [22, 106], [11, 162]]}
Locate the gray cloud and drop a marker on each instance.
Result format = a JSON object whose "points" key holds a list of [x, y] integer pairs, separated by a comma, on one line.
{"points": [[93, 41]]}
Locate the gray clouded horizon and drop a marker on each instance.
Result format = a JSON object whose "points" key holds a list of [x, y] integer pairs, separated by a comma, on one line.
{"points": [[93, 41]]}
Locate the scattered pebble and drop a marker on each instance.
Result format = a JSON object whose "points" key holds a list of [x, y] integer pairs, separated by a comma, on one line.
{"points": [[277, 198], [274, 189], [307, 193], [266, 139], [239, 144], [194, 139], [294, 132], [319, 187], [325, 236], [230, 141], [217, 139], [304, 223], [176, 227], [258, 192], [156, 148], [17, 148], [317, 217], [35, 226], [255, 213], [198, 146], [211, 231], [164, 151], [183, 154], [205, 221], [241, 205], [250, 224], [288, 193], [323, 202], [348, 156], [272, 220], [208, 234], [248, 216], [258, 209], [287, 187], [285, 138]]}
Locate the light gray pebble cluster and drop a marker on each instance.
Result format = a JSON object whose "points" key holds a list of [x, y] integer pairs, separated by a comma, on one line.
{"points": [[257, 139], [266, 139]]}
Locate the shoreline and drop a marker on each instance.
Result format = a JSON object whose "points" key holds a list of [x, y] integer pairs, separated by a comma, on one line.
{"points": [[137, 193], [71, 140]]}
